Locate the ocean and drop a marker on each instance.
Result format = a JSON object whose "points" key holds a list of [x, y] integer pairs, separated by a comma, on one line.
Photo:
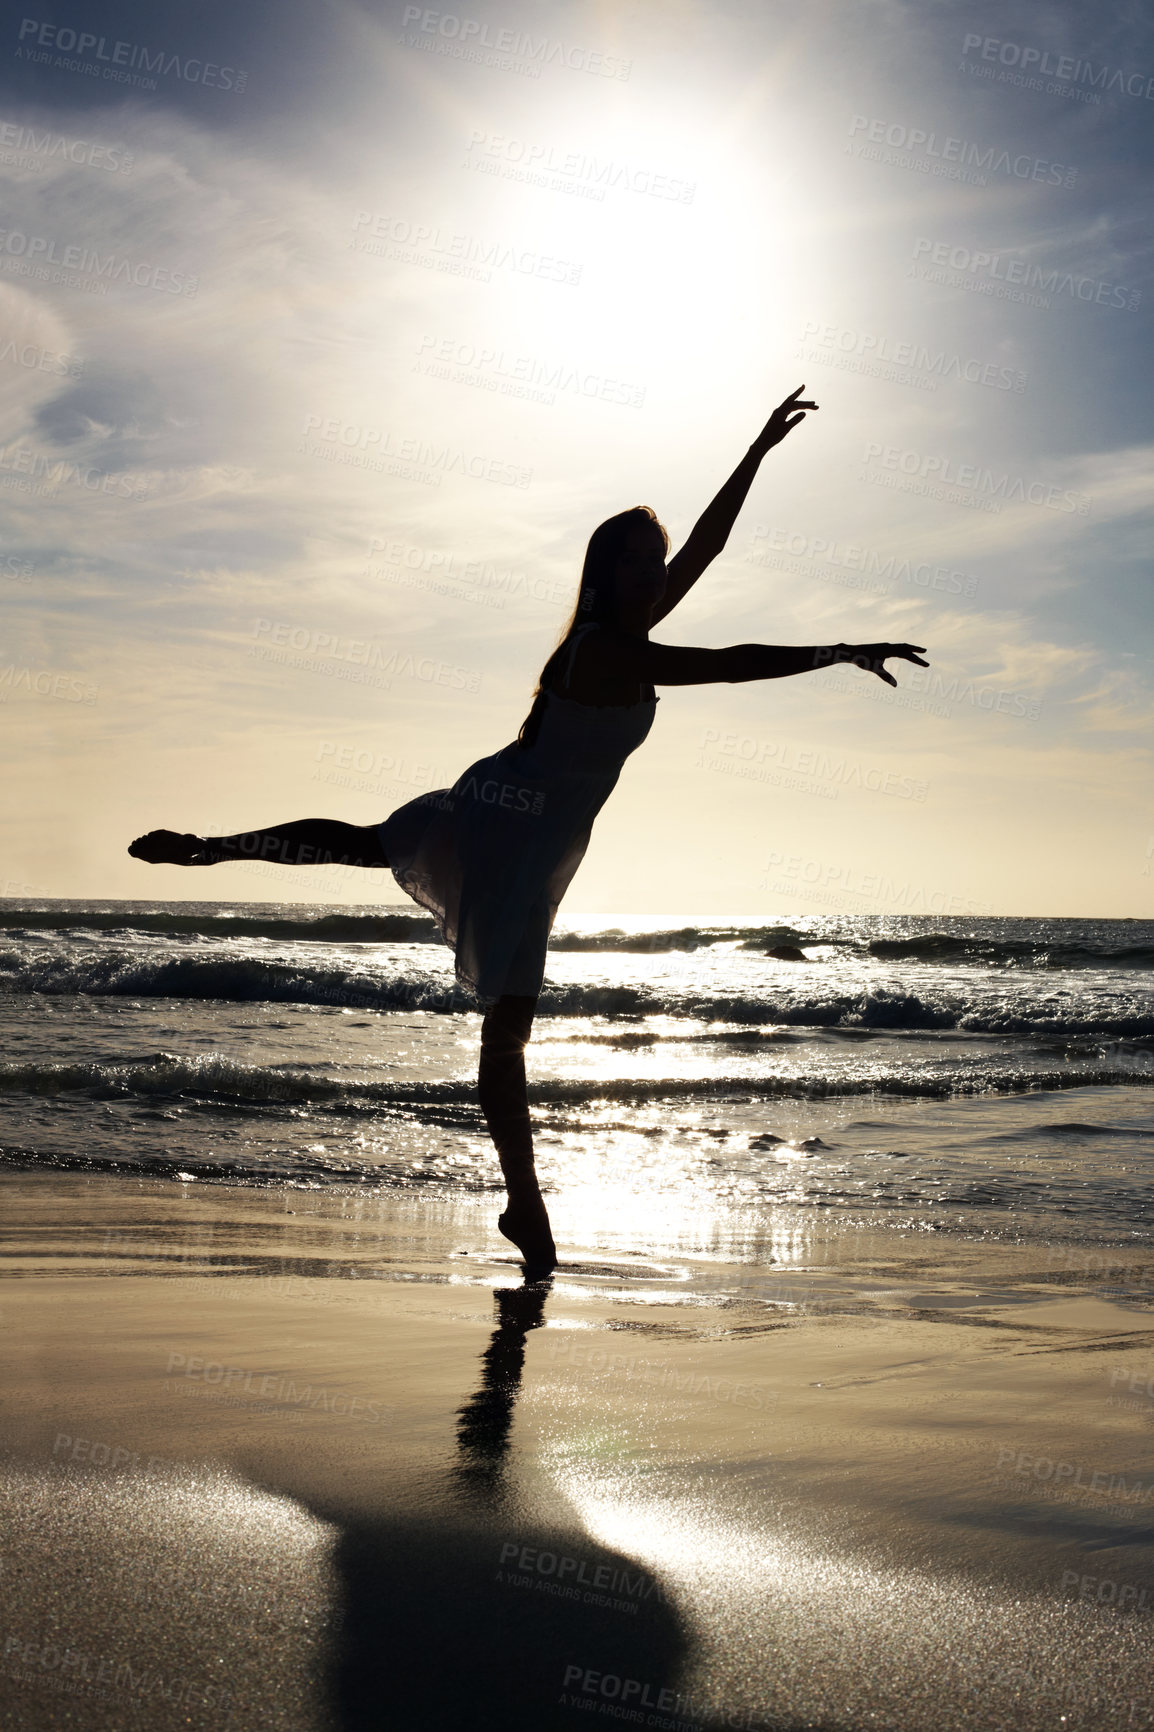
{"points": [[972, 1075]]}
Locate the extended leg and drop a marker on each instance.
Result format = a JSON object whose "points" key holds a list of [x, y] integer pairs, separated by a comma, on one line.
{"points": [[302, 842], [505, 1103]]}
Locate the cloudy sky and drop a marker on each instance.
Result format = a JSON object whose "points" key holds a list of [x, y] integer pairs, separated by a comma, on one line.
{"points": [[328, 333]]}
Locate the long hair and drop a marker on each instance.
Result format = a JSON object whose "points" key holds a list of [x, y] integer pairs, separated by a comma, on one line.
{"points": [[596, 598]]}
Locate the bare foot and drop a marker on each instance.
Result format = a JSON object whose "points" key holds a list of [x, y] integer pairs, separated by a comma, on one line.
{"points": [[525, 1224], [168, 848]]}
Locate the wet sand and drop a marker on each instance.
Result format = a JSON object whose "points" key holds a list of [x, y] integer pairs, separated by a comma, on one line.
{"points": [[293, 1460]]}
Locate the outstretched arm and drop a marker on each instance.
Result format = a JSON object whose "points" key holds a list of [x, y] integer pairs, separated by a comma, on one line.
{"points": [[711, 531], [623, 658]]}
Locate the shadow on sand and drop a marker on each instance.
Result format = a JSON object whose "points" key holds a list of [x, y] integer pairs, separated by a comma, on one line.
{"points": [[440, 1627]]}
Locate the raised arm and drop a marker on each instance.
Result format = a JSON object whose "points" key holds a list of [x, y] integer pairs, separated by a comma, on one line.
{"points": [[711, 531]]}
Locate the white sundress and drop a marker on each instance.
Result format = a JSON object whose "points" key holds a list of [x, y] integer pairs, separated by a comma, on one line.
{"points": [[491, 857]]}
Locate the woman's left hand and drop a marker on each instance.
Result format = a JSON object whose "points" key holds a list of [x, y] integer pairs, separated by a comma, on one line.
{"points": [[872, 656], [785, 417]]}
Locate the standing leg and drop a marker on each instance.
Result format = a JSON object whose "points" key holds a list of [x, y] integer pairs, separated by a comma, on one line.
{"points": [[302, 842], [505, 1103]]}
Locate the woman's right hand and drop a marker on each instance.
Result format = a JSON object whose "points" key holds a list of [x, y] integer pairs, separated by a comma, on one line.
{"points": [[873, 656]]}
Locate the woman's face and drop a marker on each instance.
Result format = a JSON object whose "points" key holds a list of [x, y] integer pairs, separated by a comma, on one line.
{"points": [[640, 573]]}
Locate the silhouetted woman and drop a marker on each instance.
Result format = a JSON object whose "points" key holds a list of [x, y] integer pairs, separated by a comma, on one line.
{"points": [[492, 857]]}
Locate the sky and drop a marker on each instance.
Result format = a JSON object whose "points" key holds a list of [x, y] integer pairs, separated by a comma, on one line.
{"points": [[329, 333]]}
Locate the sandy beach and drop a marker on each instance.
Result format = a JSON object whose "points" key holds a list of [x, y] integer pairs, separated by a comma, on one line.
{"points": [[305, 1461]]}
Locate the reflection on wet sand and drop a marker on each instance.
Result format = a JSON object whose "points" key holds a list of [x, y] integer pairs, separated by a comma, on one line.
{"points": [[485, 1421], [483, 1610]]}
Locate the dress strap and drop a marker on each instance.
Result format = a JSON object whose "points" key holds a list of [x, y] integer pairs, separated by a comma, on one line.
{"points": [[574, 639]]}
